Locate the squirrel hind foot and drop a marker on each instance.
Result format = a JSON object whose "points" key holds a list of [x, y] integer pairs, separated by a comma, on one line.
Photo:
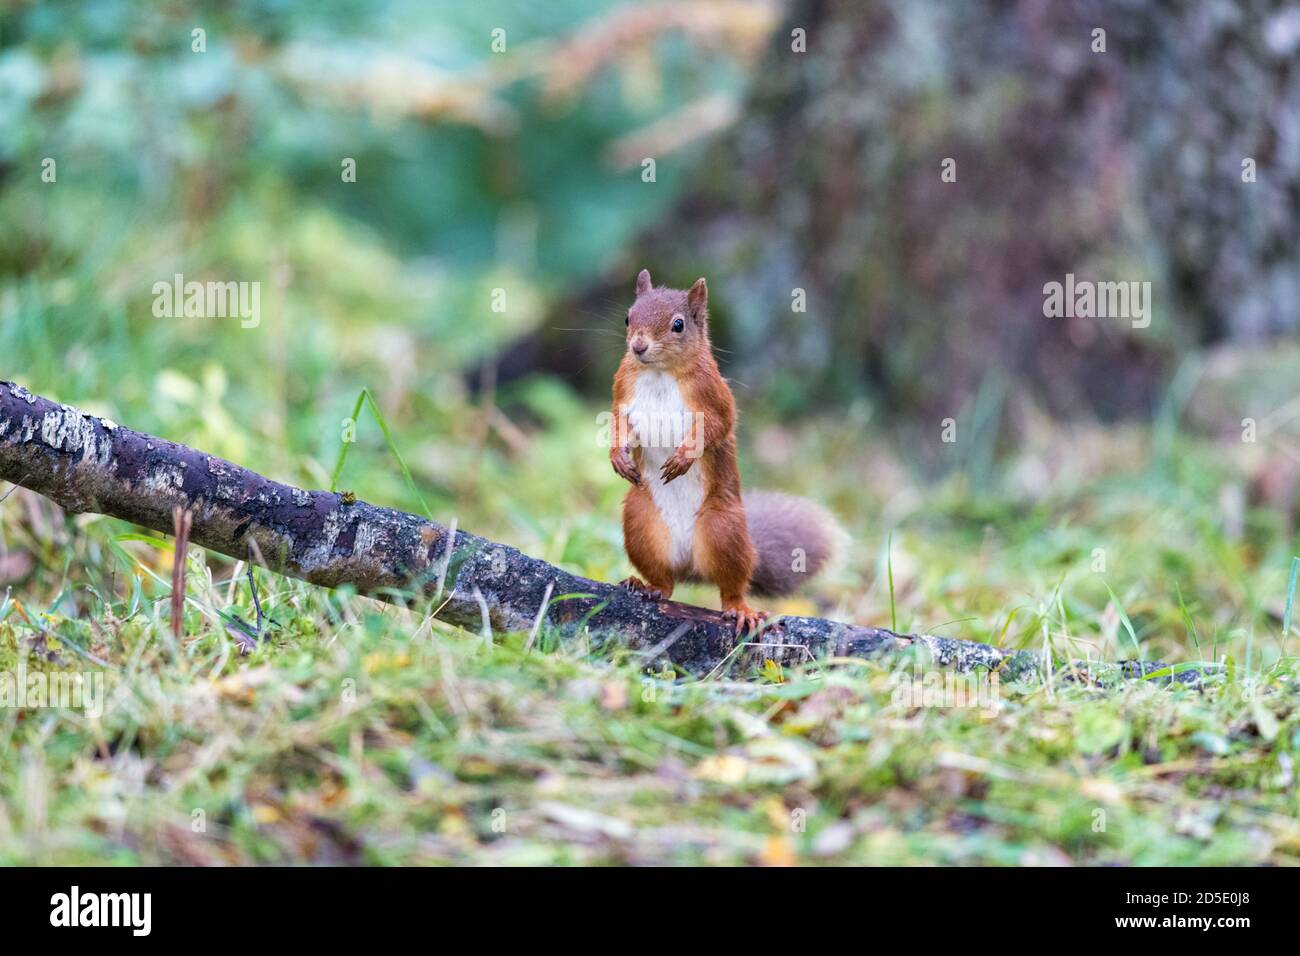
{"points": [[746, 618]]}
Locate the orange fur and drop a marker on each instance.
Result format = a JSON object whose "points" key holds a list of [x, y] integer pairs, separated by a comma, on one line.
{"points": [[721, 549], [645, 539]]}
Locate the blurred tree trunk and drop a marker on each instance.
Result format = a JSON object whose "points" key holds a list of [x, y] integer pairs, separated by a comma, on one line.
{"points": [[1122, 165]]}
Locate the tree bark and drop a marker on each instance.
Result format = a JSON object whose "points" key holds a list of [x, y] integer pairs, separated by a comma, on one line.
{"points": [[86, 463], [1124, 165]]}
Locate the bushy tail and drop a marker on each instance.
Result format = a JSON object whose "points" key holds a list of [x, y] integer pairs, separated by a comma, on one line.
{"points": [[795, 539]]}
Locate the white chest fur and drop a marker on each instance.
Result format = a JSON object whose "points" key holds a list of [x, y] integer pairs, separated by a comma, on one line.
{"points": [[660, 421]]}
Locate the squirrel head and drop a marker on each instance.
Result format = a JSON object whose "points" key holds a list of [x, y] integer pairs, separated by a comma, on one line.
{"points": [[667, 328]]}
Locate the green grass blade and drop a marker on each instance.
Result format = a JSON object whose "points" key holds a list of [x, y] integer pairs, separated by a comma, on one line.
{"points": [[1128, 625], [1290, 602], [366, 399], [1188, 623], [345, 445]]}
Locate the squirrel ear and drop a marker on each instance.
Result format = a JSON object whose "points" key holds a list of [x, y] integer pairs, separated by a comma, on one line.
{"points": [[643, 282], [698, 297]]}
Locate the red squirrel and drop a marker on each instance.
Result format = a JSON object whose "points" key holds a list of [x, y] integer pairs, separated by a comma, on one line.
{"points": [[673, 437]]}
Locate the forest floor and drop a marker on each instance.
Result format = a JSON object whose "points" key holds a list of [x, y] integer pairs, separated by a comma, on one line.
{"points": [[361, 733]]}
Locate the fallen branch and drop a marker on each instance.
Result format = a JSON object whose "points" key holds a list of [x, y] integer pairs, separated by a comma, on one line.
{"points": [[89, 464]]}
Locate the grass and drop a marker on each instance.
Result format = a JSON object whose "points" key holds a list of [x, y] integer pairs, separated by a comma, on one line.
{"points": [[361, 736], [360, 733]]}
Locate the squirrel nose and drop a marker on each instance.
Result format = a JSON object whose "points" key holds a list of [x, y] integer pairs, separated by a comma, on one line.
{"points": [[640, 346]]}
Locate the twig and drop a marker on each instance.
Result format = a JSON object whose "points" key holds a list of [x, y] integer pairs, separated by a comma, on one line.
{"points": [[17, 485], [257, 605], [182, 520]]}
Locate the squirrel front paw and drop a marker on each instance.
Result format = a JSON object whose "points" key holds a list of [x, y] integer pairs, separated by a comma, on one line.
{"points": [[624, 467], [678, 464]]}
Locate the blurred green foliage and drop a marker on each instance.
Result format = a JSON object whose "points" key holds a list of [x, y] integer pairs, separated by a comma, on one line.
{"points": [[475, 171]]}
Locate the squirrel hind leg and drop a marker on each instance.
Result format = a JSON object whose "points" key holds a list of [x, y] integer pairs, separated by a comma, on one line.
{"points": [[723, 552], [645, 539], [725, 555]]}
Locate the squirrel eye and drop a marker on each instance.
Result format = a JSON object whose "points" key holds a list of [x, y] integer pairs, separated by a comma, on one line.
{"points": [[627, 320], [678, 324]]}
